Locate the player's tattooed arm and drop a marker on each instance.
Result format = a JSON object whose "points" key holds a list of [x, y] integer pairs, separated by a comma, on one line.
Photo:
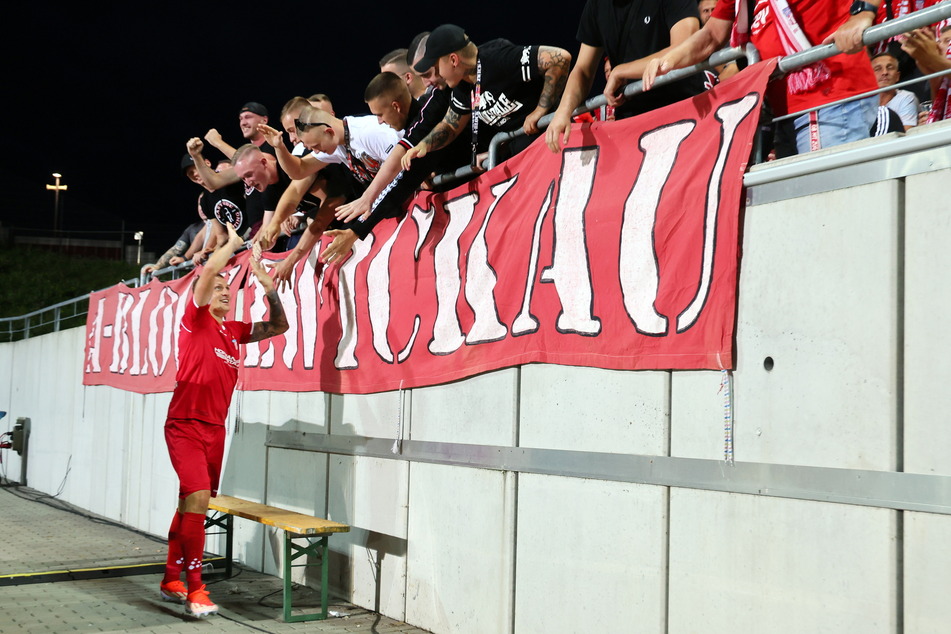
{"points": [[277, 320], [276, 323]]}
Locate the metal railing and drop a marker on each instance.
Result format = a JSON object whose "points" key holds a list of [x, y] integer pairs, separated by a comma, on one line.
{"points": [[872, 35]]}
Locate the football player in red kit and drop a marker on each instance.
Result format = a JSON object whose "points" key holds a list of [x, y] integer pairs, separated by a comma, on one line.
{"points": [[208, 361]]}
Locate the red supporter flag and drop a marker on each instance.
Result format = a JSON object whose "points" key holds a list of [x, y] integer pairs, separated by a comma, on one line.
{"points": [[620, 252]]}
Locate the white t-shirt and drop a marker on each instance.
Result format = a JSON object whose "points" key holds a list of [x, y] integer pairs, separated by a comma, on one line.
{"points": [[905, 105], [370, 143]]}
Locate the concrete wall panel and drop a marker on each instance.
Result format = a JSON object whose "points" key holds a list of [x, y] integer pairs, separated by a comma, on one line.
{"points": [[741, 563], [696, 417], [458, 578], [373, 415], [243, 476], [927, 573], [817, 295], [480, 410], [312, 408], [296, 481], [575, 536], [591, 409], [927, 332], [371, 495]]}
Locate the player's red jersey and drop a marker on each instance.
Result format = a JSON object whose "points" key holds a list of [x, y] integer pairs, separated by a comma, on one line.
{"points": [[208, 358]]}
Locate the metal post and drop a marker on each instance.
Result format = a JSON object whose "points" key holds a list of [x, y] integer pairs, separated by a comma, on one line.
{"points": [[56, 189]]}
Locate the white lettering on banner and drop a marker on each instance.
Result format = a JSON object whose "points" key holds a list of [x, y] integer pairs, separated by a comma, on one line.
{"points": [[481, 279], [447, 332], [346, 303], [424, 220], [307, 292], [94, 339], [120, 334], [179, 314], [138, 363], [378, 295], [164, 329], [570, 269], [730, 115], [464, 238], [525, 322], [637, 266], [289, 303], [404, 353], [253, 356]]}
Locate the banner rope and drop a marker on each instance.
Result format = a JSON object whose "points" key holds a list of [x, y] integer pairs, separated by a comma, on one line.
{"points": [[726, 381], [398, 441]]}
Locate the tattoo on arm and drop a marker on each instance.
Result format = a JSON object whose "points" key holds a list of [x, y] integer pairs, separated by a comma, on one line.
{"points": [[554, 62], [443, 133], [276, 323]]}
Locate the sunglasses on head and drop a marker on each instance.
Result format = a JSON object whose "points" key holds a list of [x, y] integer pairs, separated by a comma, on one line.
{"points": [[303, 126]]}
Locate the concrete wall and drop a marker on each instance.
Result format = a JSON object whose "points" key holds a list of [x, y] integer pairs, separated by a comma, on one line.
{"points": [[555, 499]]}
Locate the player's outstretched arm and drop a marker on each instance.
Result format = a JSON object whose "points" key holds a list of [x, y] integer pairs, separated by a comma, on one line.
{"points": [[277, 320], [205, 285]]}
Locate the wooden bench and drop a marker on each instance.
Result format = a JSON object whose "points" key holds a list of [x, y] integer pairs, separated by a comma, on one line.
{"points": [[296, 526]]}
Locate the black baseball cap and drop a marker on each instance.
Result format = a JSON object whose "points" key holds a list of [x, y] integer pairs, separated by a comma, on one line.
{"points": [[187, 161], [445, 39], [255, 107]]}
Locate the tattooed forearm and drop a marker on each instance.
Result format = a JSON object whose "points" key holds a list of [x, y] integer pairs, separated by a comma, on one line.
{"points": [[444, 132], [277, 320], [452, 119], [554, 62]]}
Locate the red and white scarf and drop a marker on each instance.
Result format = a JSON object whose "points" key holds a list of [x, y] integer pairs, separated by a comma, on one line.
{"points": [[899, 8], [791, 37], [940, 104]]}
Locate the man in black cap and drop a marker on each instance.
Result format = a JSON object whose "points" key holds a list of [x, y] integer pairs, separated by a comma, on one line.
{"points": [[251, 115], [509, 87]]}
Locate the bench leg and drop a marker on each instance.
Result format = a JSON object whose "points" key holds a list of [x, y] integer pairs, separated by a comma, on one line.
{"points": [[293, 551], [229, 545], [224, 522]]}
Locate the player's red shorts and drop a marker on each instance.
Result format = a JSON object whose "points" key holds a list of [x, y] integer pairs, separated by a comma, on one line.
{"points": [[196, 450]]}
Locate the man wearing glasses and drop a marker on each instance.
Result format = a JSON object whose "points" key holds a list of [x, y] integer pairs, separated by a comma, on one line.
{"points": [[361, 144]]}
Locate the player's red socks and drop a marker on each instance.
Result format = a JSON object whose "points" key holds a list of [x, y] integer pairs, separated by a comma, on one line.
{"points": [[192, 533], [175, 560]]}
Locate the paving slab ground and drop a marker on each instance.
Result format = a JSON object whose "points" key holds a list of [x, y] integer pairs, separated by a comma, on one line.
{"points": [[41, 534]]}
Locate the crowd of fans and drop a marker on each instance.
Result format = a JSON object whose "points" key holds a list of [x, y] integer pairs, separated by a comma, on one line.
{"points": [[341, 175]]}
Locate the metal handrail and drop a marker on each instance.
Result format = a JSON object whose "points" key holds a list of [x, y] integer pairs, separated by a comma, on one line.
{"points": [[6, 323], [872, 35], [870, 93]]}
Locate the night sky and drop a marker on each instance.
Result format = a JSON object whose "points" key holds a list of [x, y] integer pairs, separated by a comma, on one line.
{"points": [[108, 95]]}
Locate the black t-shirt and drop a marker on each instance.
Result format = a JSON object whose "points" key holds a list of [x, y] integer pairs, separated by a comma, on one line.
{"points": [[631, 29], [510, 86], [256, 203], [188, 236], [424, 114], [227, 205]]}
